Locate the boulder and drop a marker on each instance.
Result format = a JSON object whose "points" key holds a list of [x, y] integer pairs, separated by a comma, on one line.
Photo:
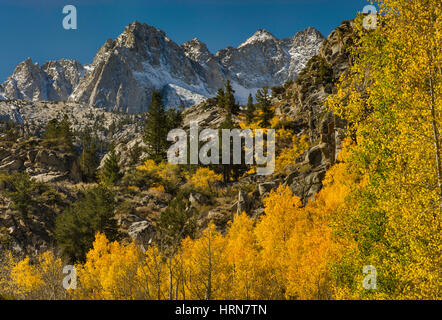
{"points": [[198, 199], [243, 204], [315, 156], [218, 216], [52, 160], [4, 153], [14, 164], [31, 155], [142, 232], [265, 187], [50, 177]]}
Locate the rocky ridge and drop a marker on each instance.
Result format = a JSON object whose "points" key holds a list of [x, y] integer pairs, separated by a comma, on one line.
{"points": [[53, 81]]}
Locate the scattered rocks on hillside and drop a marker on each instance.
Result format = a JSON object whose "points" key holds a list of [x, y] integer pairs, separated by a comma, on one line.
{"points": [[47, 165]]}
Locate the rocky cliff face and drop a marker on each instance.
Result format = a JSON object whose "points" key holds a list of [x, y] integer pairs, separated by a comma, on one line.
{"points": [[304, 104], [53, 81], [126, 71]]}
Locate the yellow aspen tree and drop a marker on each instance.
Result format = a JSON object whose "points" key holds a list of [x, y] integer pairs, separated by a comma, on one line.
{"points": [[392, 98], [110, 271], [207, 273], [312, 250], [273, 231], [7, 262], [155, 274], [242, 254], [26, 280]]}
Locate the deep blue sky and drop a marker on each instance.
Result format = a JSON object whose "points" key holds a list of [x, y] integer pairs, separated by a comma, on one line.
{"points": [[33, 28]]}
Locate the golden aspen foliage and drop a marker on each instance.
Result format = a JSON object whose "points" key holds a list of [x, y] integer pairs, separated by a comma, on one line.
{"points": [[392, 97], [203, 179], [167, 173], [25, 278], [243, 256], [288, 155], [206, 268], [110, 271], [152, 275], [39, 277], [7, 262], [313, 250], [282, 212]]}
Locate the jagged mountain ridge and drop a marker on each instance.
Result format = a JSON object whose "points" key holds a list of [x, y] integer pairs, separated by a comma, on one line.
{"points": [[53, 81], [125, 71]]}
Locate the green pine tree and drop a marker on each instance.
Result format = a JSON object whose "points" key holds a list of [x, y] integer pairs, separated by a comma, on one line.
{"points": [[220, 97], [250, 110], [229, 99], [226, 169], [229, 170], [174, 118], [110, 172], [51, 129], [263, 98], [76, 227], [60, 131], [178, 221], [66, 133], [89, 158], [156, 129]]}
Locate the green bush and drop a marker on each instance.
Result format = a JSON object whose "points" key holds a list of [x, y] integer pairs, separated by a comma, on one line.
{"points": [[76, 227], [177, 222], [139, 178], [26, 194]]}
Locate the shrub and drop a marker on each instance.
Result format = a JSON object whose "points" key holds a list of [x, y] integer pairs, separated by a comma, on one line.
{"points": [[165, 174], [203, 179], [78, 224]]}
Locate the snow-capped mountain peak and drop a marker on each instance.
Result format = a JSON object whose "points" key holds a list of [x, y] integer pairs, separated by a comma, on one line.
{"points": [[53, 81], [196, 50], [261, 35]]}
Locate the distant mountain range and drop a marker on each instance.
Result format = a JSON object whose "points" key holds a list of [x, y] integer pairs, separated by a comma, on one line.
{"points": [[126, 71]]}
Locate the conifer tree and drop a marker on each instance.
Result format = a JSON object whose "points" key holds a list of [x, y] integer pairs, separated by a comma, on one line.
{"points": [[174, 118], [229, 99], [110, 172], [156, 129], [177, 222], [89, 158], [226, 168], [250, 110], [263, 98], [51, 130], [66, 133], [220, 97], [60, 130], [77, 225]]}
